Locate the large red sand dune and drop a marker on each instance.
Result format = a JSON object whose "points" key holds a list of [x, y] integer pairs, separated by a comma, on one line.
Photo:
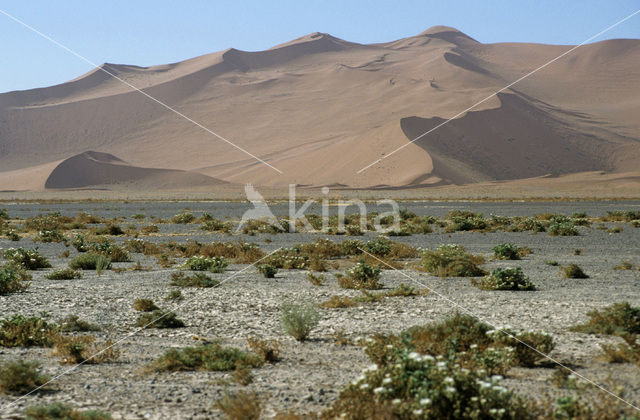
{"points": [[319, 109]]}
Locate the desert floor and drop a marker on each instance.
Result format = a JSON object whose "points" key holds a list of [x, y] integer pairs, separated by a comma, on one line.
{"points": [[310, 375]]}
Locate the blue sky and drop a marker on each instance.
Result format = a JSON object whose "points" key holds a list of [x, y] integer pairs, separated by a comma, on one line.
{"points": [[146, 32]]}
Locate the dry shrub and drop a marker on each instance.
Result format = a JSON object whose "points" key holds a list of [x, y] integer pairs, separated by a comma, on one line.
{"points": [[84, 349], [144, 305], [573, 271], [60, 411], [73, 323], [240, 406], [19, 377], [315, 279], [617, 319], [403, 251], [268, 350], [243, 375], [195, 280], [20, 331], [452, 261], [317, 264], [322, 248], [13, 279], [627, 352], [159, 319], [336, 301]]}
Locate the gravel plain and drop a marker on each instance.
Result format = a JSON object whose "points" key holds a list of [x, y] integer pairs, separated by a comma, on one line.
{"points": [[310, 374]]}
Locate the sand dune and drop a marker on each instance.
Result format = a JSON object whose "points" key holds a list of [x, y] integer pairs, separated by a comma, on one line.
{"points": [[102, 169], [320, 108]]}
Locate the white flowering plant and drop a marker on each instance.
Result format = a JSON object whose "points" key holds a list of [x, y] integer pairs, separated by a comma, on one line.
{"points": [[29, 259], [415, 386], [529, 346], [200, 263], [508, 278]]}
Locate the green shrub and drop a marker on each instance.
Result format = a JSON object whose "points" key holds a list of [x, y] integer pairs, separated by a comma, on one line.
{"points": [[527, 345], [90, 261], [380, 246], [13, 236], [159, 319], [423, 387], [79, 243], [455, 333], [73, 323], [144, 305], [254, 226], [562, 229], [510, 278], [20, 377], [4, 215], [216, 225], [51, 221], [351, 247], [64, 274], [30, 259], [405, 291], [451, 261], [13, 279], [194, 280], [208, 357], [288, 259], [573, 271], [617, 319], [268, 271], [174, 295], [506, 252], [622, 216], [361, 276], [298, 320], [115, 252], [474, 343], [183, 218], [212, 264], [20, 331], [47, 236], [464, 221], [60, 411]]}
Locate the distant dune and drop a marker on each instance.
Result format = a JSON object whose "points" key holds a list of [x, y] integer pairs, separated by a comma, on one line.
{"points": [[98, 169], [320, 108]]}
